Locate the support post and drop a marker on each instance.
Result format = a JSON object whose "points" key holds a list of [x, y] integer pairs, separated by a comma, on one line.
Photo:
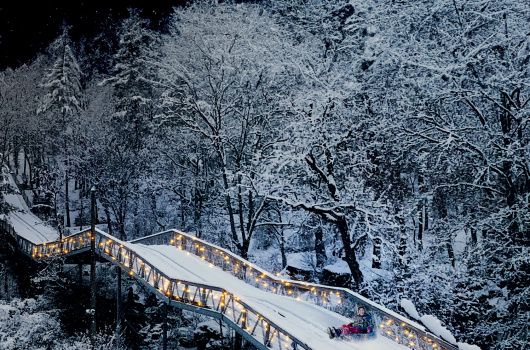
{"points": [[164, 325], [93, 263], [118, 302]]}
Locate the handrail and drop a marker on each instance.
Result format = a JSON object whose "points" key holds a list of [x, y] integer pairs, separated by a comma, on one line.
{"points": [[341, 300], [258, 329]]}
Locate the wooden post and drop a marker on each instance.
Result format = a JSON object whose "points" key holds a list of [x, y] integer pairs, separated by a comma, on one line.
{"points": [[93, 264]]}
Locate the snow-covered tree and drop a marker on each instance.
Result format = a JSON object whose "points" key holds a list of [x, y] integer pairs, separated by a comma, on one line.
{"points": [[226, 70], [62, 105]]}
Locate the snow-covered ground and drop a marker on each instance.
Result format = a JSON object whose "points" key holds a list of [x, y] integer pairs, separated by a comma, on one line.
{"points": [[301, 319]]}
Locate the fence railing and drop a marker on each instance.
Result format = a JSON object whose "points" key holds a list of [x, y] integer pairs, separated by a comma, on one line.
{"points": [[340, 300], [256, 328]]}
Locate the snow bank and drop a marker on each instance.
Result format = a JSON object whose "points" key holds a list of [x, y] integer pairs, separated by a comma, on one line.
{"points": [[410, 309], [434, 325], [339, 267], [464, 346], [302, 261]]}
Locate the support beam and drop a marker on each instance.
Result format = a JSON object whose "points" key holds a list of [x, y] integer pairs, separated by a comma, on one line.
{"points": [[93, 264], [164, 325], [118, 302]]}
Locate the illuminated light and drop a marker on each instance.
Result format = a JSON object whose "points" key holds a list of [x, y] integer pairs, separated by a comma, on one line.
{"points": [[171, 241], [131, 273], [411, 335], [274, 290], [382, 326], [402, 324], [388, 332], [289, 292], [411, 344]]}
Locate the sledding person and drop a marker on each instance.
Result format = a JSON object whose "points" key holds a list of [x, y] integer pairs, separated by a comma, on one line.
{"points": [[362, 324]]}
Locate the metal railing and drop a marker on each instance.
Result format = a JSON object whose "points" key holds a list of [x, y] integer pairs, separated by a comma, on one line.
{"points": [[340, 300], [220, 303], [202, 298]]}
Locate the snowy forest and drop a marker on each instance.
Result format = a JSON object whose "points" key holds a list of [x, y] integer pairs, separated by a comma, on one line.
{"points": [[382, 146]]}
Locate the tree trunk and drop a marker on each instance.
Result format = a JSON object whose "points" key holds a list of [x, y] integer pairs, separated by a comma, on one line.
{"points": [[320, 248], [349, 253], [67, 200], [109, 222], [229, 208]]}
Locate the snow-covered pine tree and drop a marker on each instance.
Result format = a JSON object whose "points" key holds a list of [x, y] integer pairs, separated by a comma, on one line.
{"points": [[62, 104]]}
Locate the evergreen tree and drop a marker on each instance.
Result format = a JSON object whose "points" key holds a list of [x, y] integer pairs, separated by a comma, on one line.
{"points": [[63, 103]]}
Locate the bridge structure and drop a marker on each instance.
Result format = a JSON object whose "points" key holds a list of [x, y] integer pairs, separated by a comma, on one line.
{"points": [[188, 273]]}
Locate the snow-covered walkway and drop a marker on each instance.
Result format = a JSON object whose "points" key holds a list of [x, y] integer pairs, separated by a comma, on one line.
{"points": [[301, 319], [23, 221]]}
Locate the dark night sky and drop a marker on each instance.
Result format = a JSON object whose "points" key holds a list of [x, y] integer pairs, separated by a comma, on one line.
{"points": [[27, 28]]}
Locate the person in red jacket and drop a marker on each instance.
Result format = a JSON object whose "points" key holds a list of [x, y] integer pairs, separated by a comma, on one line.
{"points": [[362, 324]]}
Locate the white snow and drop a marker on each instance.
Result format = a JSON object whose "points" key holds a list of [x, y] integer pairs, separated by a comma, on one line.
{"points": [[24, 222], [464, 346], [303, 260], [410, 309], [435, 326], [340, 267]]}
